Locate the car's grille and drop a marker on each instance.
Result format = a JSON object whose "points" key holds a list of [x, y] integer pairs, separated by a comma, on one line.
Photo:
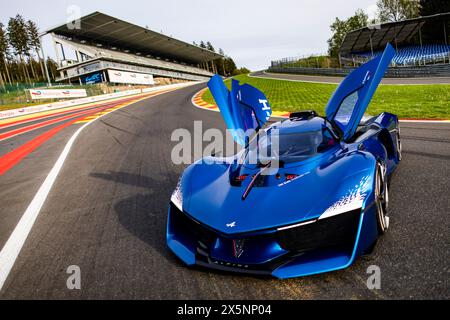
{"points": [[336, 231], [201, 233]]}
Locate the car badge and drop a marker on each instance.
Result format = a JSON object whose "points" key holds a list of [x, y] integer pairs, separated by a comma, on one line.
{"points": [[238, 248]]}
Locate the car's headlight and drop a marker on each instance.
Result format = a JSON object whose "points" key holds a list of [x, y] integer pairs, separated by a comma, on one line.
{"points": [[177, 196], [339, 208], [353, 200], [343, 206]]}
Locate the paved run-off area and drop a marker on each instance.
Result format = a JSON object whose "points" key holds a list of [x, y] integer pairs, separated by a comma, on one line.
{"points": [[106, 213]]}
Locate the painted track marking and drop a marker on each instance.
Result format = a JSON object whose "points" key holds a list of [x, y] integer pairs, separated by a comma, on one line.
{"points": [[13, 246], [16, 132]]}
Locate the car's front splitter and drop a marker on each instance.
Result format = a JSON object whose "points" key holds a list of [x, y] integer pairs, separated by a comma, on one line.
{"points": [[289, 265]]}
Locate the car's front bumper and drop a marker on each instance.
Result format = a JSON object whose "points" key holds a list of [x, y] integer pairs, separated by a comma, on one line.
{"points": [[313, 249]]}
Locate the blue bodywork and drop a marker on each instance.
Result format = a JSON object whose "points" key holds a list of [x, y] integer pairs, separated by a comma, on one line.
{"points": [[310, 216]]}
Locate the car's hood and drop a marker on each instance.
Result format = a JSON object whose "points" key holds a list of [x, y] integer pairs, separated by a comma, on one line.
{"points": [[213, 201]]}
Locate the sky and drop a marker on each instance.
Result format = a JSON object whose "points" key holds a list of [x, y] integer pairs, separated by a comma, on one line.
{"points": [[252, 32]]}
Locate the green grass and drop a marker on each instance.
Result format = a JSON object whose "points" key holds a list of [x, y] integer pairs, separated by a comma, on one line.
{"points": [[408, 101]]}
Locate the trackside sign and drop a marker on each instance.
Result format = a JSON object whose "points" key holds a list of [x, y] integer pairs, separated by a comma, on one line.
{"points": [[130, 77], [76, 102], [57, 94]]}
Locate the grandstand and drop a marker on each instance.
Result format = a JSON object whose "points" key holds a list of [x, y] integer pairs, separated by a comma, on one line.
{"points": [[412, 49], [413, 55], [107, 49], [422, 49]]}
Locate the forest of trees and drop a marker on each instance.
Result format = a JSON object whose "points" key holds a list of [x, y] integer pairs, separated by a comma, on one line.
{"points": [[225, 66], [388, 11], [20, 53]]}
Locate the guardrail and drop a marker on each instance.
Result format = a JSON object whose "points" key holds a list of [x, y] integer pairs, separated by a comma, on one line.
{"points": [[64, 104], [438, 70]]}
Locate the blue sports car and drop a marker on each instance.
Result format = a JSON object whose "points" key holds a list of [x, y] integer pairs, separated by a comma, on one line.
{"points": [[322, 206]]}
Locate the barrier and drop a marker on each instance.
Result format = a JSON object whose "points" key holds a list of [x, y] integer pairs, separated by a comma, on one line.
{"points": [[438, 70], [64, 104]]}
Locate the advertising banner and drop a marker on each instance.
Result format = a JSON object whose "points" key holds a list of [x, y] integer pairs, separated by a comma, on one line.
{"points": [[92, 78], [57, 94], [130, 77], [75, 102]]}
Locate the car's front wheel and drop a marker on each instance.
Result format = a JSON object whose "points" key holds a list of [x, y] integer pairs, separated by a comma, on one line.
{"points": [[382, 198]]}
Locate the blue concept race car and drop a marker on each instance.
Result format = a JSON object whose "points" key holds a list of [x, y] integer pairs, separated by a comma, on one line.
{"points": [[323, 206]]}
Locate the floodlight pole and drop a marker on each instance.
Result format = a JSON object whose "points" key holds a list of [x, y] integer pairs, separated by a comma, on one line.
{"points": [[420, 36], [45, 62], [371, 45], [445, 32]]}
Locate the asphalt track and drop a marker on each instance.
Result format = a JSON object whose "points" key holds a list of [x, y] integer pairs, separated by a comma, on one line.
{"points": [[106, 213], [337, 80]]}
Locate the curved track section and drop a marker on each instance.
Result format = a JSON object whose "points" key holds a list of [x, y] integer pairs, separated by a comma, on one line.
{"points": [[107, 214]]}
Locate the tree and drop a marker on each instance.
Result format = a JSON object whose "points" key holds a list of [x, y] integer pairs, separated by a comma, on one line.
{"points": [[397, 10], [242, 71], [430, 7], [224, 66], [340, 28], [18, 38], [52, 68], [4, 46], [35, 43], [230, 66], [210, 47]]}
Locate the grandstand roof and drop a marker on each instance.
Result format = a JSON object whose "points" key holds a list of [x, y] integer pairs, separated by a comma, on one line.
{"points": [[360, 40], [106, 54], [98, 27]]}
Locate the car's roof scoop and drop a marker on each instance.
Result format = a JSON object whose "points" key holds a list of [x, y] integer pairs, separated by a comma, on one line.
{"points": [[245, 109]]}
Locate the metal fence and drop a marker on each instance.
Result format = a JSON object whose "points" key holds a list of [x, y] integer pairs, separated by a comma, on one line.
{"points": [[437, 70], [443, 58], [305, 61]]}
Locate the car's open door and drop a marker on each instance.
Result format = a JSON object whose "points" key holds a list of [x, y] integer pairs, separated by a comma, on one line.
{"points": [[350, 101], [244, 109]]}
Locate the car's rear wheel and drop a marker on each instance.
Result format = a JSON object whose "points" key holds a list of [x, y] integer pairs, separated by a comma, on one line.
{"points": [[382, 198]]}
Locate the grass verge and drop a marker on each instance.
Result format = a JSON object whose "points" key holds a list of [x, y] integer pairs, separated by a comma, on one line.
{"points": [[408, 101]]}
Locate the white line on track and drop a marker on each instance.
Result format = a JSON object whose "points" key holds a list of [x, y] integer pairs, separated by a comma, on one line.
{"points": [[13, 246]]}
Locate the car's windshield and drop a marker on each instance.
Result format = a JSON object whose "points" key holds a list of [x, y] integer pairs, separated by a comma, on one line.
{"points": [[288, 147]]}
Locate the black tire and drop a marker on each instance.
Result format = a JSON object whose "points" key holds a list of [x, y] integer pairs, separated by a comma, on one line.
{"points": [[399, 146], [381, 199]]}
